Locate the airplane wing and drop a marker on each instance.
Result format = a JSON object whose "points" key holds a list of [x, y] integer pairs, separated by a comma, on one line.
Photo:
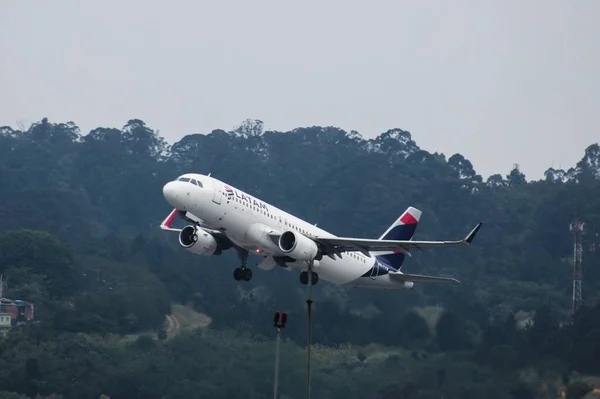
{"points": [[336, 245], [166, 224], [417, 278]]}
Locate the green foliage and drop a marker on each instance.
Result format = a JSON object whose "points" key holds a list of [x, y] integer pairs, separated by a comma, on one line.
{"points": [[415, 331], [12, 395], [38, 253], [454, 332], [79, 236], [578, 389]]}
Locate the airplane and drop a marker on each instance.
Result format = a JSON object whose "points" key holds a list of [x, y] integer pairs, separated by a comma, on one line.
{"points": [[223, 217]]}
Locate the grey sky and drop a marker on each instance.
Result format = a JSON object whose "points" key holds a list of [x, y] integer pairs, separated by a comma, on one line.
{"points": [[498, 81]]}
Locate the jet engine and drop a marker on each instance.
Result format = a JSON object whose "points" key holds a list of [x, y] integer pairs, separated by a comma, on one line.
{"points": [[198, 241], [408, 285], [298, 246]]}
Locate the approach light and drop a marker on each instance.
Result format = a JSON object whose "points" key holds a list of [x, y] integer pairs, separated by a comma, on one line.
{"points": [[279, 319], [283, 319]]}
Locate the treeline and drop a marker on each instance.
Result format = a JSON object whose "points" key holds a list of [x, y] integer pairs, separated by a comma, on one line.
{"points": [[79, 218], [506, 362]]}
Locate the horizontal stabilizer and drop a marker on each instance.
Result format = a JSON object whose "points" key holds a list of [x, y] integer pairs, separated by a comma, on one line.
{"points": [[417, 278]]}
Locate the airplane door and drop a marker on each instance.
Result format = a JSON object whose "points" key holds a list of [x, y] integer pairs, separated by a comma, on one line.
{"points": [[218, 191], [374, 270], [279, 224]]}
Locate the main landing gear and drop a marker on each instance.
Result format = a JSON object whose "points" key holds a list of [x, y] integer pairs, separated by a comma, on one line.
{"points": [[304, 277], [242, 273]]}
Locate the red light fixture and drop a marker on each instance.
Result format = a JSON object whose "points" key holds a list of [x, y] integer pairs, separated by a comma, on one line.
{"points": [[279, 319]]}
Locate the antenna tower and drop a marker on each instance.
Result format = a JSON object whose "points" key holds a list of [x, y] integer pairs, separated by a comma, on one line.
{"points": [[577, 229]]}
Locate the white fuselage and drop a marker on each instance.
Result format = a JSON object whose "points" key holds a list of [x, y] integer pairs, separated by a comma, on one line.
{"points": [[239, 214]]}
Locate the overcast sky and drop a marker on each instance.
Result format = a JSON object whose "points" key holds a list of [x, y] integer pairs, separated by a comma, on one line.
{"points": [[500, 82]]}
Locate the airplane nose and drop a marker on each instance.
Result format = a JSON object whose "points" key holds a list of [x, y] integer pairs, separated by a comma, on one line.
{"points": [[170, 192]]}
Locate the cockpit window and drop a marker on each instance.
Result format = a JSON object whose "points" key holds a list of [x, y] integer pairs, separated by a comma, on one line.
{"points": [[189, 180]]}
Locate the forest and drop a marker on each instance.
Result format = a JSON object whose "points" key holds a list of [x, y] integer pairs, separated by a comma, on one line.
{"points": [[122, 310]]}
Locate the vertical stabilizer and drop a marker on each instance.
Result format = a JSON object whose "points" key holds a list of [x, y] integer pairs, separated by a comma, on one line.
{"points": [[402, 229]]}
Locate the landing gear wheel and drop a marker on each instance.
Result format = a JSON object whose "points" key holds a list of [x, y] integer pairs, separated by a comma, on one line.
{"points": [[242, 273], [247, 274], [304, 278], [238, 274]]}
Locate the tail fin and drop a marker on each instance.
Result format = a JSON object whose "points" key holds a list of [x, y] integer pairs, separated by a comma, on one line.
{"points": [[402, 229]]}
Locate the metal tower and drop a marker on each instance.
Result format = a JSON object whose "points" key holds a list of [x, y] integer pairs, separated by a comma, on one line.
{"points": [[577, 229]]}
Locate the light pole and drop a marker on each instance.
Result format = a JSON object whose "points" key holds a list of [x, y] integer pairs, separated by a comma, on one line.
{"points": [[279, 321]]}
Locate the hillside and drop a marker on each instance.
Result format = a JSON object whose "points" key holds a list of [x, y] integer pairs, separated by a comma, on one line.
{"points": [[79, 236]]}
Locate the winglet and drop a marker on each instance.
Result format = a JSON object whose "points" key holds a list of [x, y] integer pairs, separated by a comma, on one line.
{"points": [[166, 224], [469, 238]]}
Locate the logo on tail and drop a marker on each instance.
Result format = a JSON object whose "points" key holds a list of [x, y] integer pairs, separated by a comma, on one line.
{"points": [[402, 229]]}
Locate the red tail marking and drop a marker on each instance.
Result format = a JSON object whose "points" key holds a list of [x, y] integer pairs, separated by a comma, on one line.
{"points": [[407, 218]]}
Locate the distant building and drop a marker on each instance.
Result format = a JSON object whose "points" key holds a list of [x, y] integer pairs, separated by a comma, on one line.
{"points": [[13, 312], [5, 320], [5, 323], [19, 311]]}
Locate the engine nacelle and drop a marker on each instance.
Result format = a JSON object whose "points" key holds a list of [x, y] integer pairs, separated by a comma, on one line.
{"points": [[408, 285], [198, 241], [298, 246]]}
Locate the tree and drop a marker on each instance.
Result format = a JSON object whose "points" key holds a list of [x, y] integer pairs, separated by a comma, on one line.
{"points": [[42, 254], [515, 177], [577, 390]]}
